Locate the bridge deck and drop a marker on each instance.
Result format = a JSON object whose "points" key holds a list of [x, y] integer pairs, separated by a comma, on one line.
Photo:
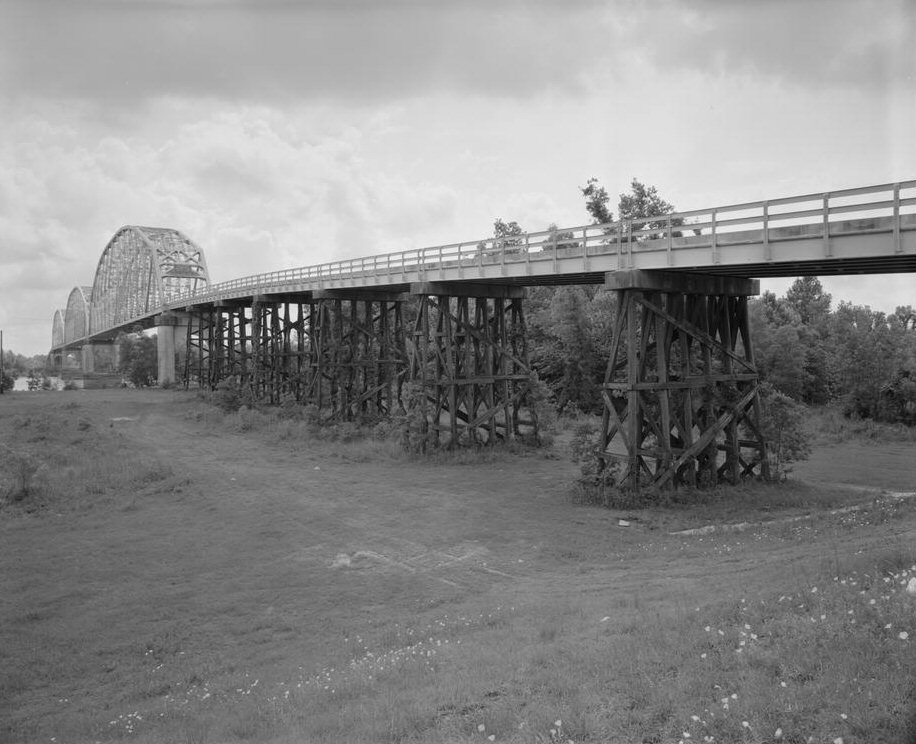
{"points": [[871, 230]]}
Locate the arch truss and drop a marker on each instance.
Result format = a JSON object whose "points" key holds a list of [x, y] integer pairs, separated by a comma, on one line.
{"points": [[57, 328], [140, 269], [76, 316]]}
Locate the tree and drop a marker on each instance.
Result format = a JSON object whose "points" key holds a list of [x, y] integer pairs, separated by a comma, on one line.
{"points": [[596, 201], [564, 240], [782, 425], [138, 358], [778, 351], [642, 202], [507, 233], [602, 314], [808, 298], [570, 326], [777, 311], [905, 318], [869, 354]]}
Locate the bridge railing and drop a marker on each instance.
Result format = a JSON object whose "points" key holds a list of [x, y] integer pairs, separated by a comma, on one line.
{"points": [[881, 208]]}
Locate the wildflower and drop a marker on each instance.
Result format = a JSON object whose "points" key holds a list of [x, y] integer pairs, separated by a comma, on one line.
{"points": [[491, 737], [843, 716], [558, 723], [903, 635], [777, 734], [481, 728]]}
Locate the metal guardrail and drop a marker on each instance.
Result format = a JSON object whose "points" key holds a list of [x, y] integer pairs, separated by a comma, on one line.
{"points": [[773, 220]]}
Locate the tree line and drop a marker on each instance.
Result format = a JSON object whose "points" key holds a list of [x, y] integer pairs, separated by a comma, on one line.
{"points": [[18, 365]]}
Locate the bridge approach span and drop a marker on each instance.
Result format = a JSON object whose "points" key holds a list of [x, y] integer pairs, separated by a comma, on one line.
{"points": [[869, 230]]}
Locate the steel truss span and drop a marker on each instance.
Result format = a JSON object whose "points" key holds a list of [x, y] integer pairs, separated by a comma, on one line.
{"points": [[58, 329], [76, 316], [141, 270]]}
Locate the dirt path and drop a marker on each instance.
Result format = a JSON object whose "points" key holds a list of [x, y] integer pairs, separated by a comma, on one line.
{"points": [[432, 534]]}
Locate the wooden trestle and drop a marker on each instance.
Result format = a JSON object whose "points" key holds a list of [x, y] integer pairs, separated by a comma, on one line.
{"points": [[342, 353], [348, 354], [681, 401], [469, 361]]}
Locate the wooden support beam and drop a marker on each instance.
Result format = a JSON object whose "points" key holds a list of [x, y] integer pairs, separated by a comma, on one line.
{"points": [[468, 289], [364, 295], [680, 393], [681, 282]]}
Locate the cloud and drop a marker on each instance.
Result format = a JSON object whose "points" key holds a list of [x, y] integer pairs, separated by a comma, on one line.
{"points": [[847, 43], [273, 50], [249, 188]]}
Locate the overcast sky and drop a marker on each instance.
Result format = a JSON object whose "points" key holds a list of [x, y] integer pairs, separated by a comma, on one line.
{"points": [[277, 133]]}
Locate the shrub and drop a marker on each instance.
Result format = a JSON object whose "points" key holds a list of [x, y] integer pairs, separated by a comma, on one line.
{"points": [[22, 468], [598, 481], [782, 425], [229, 396], [543, 409]]}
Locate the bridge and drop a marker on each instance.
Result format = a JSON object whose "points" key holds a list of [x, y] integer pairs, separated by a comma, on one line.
{"points": [[438, 333]]}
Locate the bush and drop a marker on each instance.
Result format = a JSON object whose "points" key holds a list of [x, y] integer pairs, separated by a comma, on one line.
{"points": [[21, 467], [598, 482], [782, 425], [229, 396]]}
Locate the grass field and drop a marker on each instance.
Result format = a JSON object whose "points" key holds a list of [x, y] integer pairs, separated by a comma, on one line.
{"points": [[176, 574]]}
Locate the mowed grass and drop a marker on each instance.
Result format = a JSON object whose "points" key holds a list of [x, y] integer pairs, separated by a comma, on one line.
{"points": [[175, 577]]}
